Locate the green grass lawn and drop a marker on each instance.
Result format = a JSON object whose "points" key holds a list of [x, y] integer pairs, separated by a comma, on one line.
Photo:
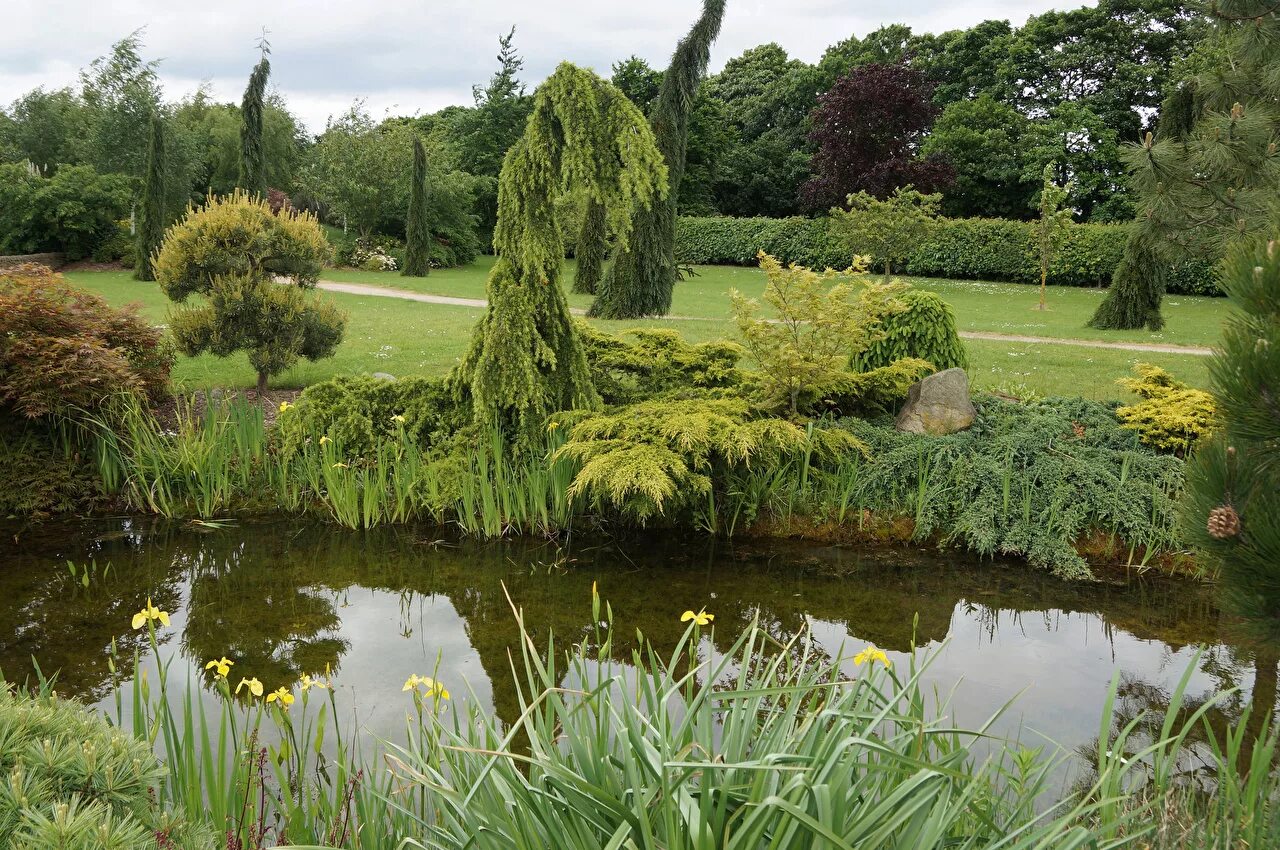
{"points": [[1007, 308], [410, 338]]}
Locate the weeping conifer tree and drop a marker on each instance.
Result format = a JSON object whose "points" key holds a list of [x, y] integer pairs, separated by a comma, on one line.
{"points": [[1210, 177], [253, 177], [149, 232], [417, 228], [526, 360], [592, 248], [643, 274], [1232, 507]]}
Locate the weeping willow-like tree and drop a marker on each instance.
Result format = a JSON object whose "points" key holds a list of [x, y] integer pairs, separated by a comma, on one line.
{"points": [[417, 228], [643, 274], [525, 360], [1210, 177], [151, 218], [592, 249], [253, 177]]}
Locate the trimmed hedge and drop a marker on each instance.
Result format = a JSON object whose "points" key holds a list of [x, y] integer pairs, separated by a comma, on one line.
{"points": [[964, 248]]}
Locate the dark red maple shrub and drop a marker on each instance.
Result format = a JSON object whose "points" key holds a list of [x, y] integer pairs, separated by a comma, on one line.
{"points": [[867, 131]]}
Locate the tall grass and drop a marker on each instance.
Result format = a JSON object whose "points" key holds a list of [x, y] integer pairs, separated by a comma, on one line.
{"points": [[770, 744]]}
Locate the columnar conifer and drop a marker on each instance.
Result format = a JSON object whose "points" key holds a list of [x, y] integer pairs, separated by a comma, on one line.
{"points": [[592, 248], [253, 177], [417, 258], [641, 279], [526, 361], [151, 218]]}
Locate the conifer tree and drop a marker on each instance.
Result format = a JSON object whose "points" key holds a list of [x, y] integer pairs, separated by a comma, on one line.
{"points": [[592, 248], [151, 219], [1232, 508], [417, 228], [526, 360], [253, 178], [1210, 178], [642, 277]]}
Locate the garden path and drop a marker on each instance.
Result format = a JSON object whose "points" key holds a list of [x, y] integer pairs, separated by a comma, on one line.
{"points": [[384, 292]]}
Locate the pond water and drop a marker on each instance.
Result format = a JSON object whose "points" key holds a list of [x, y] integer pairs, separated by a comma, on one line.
{"points": [[284, 599]]}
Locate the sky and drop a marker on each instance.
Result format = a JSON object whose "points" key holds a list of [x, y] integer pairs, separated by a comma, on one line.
{"points": [[408, 57]]}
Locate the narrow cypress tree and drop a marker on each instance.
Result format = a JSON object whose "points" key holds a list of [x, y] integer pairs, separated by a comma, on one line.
{"points": [[1211, 176], [641, 279], [151, 219], [1232, 506], [417, 228], [593, 245], [253, 178]]}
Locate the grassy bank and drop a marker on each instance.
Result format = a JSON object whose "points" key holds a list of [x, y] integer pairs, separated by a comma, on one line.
{"points": [[409, 338]]}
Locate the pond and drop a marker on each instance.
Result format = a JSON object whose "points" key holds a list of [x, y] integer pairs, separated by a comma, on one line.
{"points": [[287, 598]]}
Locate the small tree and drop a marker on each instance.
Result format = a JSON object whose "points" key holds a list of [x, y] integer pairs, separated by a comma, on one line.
{"points": [[887, 230], [1233, 503], [252, 165], [417, 228], [819, 325], [151, 218], [232, 251], [1052, 226]]}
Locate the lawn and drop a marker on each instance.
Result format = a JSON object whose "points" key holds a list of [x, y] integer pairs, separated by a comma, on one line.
{"points": [[407, 338]]}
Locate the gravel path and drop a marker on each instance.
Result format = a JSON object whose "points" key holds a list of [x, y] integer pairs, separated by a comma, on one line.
{"points": [[384, 292]]}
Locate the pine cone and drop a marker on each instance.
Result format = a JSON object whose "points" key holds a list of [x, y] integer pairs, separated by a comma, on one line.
{"points": [[1224, 522]]}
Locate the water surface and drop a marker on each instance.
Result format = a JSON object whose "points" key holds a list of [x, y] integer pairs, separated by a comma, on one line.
{"points": [[287, 598]]}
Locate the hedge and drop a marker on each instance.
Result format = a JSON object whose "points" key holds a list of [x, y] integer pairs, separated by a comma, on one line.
{"points": [[964, 248]]}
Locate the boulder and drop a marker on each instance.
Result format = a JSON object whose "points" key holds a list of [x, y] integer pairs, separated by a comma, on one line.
{"points": [[938, 405], [383, 376]]}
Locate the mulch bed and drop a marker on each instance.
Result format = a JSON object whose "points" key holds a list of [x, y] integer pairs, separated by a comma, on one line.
{"points": [[194, 404]]}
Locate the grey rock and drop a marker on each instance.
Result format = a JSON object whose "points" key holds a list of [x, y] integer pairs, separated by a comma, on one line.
{"points": [[938, 405], [383, 376]]}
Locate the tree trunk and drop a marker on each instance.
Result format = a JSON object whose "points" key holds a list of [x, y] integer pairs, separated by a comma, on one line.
{"points": [[262, 383], [1044, 278]]}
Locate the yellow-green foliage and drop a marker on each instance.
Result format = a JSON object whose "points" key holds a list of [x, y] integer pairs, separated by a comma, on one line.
{"points": [[819, 324], [1171, 417], [652, 458], [526, 360], [877, 390], [73, 782], [924, 328], [657, 361]]}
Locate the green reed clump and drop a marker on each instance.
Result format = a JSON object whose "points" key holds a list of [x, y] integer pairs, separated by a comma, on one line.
{"points": [[767, 743]]}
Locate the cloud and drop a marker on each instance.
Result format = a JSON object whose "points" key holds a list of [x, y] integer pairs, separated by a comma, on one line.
{"points": [[416, 57]]}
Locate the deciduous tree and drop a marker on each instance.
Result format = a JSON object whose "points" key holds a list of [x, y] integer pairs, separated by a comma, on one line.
{"points": [[889, 230]]}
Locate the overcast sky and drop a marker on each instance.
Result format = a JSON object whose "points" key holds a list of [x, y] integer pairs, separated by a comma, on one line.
{"points": [[416, 56]]}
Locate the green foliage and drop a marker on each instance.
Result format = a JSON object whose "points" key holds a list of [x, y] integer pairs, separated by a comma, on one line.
{"points": [[591, 250], [657, 458], [252, 152], [232, 251], [964, 248], [43, 470], [1051, 226], [925, 329], [658, 362], [359, 412], [982, 140], [1172, 417], [63, 350], [1030, 480], [74, 782], [1238, 473], [879, 389], [213, 132], [73, 211], [151, 214], [525, 359], [417, 226], [642, 276], [818, 326], [1137, 288], [888, 230]]}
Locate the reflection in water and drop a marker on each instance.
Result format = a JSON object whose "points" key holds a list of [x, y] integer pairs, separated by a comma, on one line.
{"points": [[284, 599]]}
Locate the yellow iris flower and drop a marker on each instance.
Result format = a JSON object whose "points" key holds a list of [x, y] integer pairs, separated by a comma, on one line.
{"points": [[430, 685], [339, 466], [284, 405], [283, 695], [306, 683], [254, 686], [871, 653], [221, 667], [701, 618], [325, 439], [398, 419], [151, 612]]}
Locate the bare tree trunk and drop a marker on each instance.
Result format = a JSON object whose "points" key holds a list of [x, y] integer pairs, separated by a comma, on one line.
{"points": [[262, 383]]}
